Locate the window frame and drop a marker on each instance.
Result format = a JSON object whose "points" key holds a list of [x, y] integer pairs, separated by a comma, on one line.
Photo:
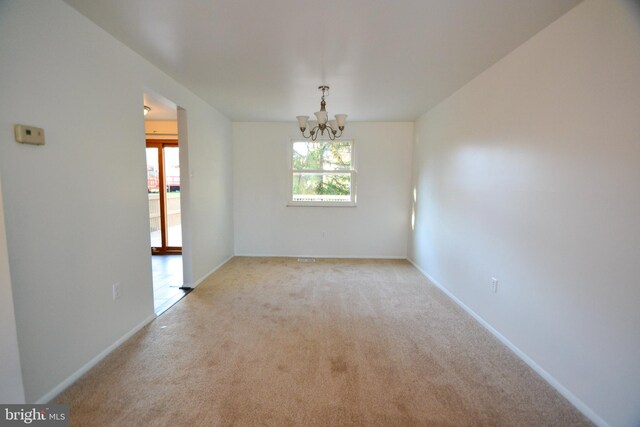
{"points": [[353, 172]]}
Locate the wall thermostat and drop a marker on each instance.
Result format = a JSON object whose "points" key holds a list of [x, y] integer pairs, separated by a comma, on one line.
{"points": [[29, 134]]}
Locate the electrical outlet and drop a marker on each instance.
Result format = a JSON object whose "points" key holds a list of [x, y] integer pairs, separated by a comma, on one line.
{"points": [[116, 291], [494, 285]]}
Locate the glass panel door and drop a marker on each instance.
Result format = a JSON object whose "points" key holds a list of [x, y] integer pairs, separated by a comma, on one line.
{"points": [[163, 188], [172, 183], [153, 190]]}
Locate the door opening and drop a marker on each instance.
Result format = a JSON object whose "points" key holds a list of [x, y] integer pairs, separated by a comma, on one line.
{"points": [[164, 197]]}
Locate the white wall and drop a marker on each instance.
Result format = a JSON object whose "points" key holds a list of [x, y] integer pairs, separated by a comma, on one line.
{"points": [[531, 174], [76, 209], [161, 129], [11, 388], [377, 227], [211, 190]]}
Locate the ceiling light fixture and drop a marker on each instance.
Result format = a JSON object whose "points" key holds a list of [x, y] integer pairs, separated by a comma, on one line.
{"points": [[332, 126], [146, 110]]}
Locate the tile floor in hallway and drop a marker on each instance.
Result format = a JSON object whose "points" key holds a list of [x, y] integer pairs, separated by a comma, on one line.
{"points": [[167, 280]]}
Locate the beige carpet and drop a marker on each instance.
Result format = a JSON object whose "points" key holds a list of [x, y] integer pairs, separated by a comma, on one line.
{"points": [[271, 341]]}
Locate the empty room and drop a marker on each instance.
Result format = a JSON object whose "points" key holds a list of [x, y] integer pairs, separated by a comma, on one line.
{"points": [[291, 213]]}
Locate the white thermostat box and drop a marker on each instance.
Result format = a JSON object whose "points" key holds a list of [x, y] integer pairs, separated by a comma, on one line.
{"points": [[29, 135]]}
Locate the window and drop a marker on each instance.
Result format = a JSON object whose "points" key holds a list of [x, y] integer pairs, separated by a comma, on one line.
{"points": [[322, 173]]}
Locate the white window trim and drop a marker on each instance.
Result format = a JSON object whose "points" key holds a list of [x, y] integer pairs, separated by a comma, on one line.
{"points": [[352, 171]]}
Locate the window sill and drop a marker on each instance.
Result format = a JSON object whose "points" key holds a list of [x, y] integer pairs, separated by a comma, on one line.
{"points": [[321, 205]]}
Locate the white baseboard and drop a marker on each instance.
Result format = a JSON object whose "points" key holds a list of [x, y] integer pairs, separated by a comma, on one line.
{"points": [[211, 272], [572, 398], [49, 396], [321, 256]]}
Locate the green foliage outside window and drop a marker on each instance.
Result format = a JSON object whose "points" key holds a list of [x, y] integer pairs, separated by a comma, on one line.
{"points": [[322, 168]]}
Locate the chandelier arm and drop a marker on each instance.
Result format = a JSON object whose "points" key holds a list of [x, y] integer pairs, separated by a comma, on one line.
{"points": [[305, 136]]}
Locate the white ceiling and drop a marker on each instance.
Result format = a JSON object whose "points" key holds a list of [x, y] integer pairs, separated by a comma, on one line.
{"points": [[161, 108], [262, 60]]}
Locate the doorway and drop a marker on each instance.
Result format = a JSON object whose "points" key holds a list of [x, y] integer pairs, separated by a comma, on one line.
{"points": [[165, 200]]}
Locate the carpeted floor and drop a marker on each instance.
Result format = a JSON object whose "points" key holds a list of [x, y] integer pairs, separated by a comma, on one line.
{"points": [[271, 341]]}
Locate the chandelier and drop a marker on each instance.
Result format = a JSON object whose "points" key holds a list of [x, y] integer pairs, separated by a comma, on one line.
{"points": [[324, 124]]}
